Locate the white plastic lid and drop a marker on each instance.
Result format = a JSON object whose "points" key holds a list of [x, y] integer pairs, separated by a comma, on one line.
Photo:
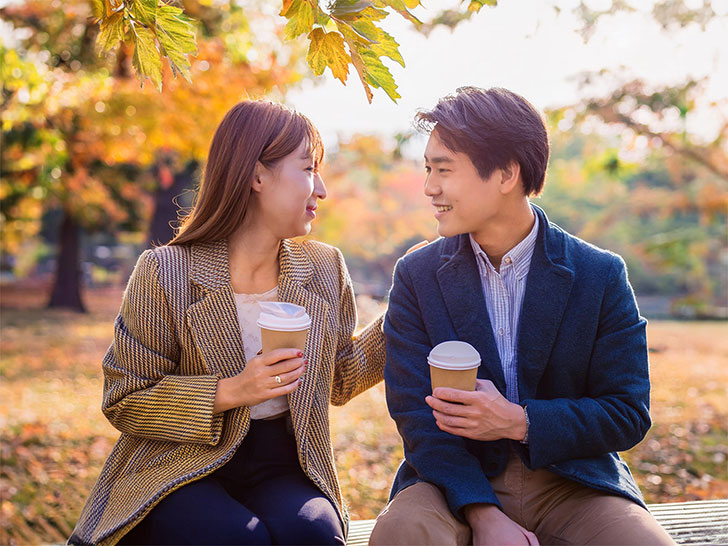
{"points": [[287, 317], [454, 355]]}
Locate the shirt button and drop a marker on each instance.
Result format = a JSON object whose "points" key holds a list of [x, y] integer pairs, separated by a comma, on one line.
{"points": [[501, 331], [507, 260]]}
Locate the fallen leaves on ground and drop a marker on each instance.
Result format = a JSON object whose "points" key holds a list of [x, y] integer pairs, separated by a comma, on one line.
{"points": [[54, 438]]}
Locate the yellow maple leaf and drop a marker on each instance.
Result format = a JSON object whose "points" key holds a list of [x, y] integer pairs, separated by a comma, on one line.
{"points": [[327, 49]]}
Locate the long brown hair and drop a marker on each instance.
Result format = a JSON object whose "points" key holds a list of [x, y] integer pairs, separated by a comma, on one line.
{"points": [[251, 131]]}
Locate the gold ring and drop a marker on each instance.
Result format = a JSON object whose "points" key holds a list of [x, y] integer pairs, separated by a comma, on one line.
{"points": [[278, 379]]}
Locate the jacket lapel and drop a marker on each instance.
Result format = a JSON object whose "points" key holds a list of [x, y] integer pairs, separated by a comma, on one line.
{"points": [[548, 287], [462, 291], [213, 320], [293, 287]]}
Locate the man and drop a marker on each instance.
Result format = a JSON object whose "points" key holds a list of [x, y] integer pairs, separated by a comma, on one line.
{"points": [[531, 455]]}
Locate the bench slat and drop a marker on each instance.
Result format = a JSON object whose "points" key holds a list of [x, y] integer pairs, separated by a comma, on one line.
{"points": [[694, 522]]}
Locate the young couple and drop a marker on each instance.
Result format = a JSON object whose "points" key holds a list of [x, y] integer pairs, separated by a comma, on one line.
{"points": [[223, 444]]}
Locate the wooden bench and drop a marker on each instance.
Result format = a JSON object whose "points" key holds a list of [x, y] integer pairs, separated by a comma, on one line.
{"points": [[701, 522]]}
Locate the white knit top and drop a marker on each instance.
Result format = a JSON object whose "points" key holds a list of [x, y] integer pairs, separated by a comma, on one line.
{"points": [[248, 313]]}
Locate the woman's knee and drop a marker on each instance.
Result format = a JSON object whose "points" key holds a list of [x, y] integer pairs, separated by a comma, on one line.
{"points": [[316, 523], [199, 513]]}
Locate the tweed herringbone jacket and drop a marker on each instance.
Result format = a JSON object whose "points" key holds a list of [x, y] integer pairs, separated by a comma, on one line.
{"points": [[177, 333]]}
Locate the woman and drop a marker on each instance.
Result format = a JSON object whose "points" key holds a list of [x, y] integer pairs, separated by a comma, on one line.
{"points": [[221, 444]]}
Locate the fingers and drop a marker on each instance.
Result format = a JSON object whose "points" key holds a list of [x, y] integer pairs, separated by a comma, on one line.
{"points": [[285, 366], [448, 408], [484, 385], [415, 247], [456, 431], [277, 355], [532, 539], [451, 421], [288, 377], [285, 389], [455, 395]]}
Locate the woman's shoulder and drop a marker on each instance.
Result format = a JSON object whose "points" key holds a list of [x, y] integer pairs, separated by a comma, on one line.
{"points": [[171, 256], [170, 263], [319, 252]]}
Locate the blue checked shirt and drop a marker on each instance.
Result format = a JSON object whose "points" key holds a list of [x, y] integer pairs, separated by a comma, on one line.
{"points": [[504, 292]]}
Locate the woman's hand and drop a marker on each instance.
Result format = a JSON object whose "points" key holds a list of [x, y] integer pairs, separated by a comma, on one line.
{"points": [[266, 376], [417, 246]]}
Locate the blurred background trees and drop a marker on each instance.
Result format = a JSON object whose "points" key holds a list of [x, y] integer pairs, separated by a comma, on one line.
{"points": [[86, 149], [95, 166]]}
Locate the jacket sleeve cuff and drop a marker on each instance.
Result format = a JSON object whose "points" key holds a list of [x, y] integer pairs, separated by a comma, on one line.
{"points": [[458, 500]]}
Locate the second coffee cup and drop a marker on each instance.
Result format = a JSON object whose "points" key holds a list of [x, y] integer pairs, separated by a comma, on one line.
{"points": [[454, 364]]}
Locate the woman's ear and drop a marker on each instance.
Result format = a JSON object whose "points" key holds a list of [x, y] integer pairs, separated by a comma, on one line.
{"points": [[260, 175]]}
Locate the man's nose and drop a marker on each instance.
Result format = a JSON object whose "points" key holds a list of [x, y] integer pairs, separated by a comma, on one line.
{"points": [[431, 188]]}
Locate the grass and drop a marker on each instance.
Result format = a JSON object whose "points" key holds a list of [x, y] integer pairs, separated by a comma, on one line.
{"points": [[54, 438]]}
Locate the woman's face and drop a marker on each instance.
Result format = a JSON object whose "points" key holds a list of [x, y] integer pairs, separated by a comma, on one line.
{"points": [[288, 193]]}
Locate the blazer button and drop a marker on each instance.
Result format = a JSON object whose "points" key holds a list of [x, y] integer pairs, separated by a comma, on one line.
{"points": [[492, 467]]}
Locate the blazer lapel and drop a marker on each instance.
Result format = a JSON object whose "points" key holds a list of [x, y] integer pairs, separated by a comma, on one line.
{"points": [[462, 291], [295, 275], [213, 320], [548, 287]]}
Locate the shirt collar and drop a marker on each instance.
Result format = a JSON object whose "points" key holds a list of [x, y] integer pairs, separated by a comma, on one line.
{"points": [[519, 255]]}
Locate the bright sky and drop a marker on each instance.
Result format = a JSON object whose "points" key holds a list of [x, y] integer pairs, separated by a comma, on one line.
{"points": [[524, 45], [527, 47]]}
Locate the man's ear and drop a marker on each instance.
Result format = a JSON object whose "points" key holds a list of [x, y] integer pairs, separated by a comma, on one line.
{"points": [[510, 177]]}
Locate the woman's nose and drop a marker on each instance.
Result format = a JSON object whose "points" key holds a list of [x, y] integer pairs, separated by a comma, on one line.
{"points": [[319, 188]]}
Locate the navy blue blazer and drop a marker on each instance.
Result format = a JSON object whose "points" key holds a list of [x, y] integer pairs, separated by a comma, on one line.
{"points": [[582, 366]]}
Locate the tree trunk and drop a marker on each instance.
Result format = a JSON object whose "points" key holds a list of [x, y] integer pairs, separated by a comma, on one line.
{"points": [[67, 283], [165, 208]]}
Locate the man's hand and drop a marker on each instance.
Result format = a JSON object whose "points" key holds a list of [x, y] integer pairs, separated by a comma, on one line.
{"points": [[492, 527], [483, 414]]}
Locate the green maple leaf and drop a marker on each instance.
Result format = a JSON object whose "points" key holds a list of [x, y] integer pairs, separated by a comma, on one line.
{"points": [[177, 38], [145, 11], [301, 17], [111, 31], [147, 61], [98, 8], [386, 46], [379, 75]]}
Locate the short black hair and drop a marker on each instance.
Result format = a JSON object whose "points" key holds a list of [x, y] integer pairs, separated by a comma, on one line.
{"points": [[493, 127]]}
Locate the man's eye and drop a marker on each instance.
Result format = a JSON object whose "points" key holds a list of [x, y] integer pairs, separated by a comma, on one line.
{"points": [[441, 171], [428, 170]]}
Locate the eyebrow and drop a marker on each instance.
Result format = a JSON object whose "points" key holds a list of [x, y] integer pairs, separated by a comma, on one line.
{"points": [[441, 159]]}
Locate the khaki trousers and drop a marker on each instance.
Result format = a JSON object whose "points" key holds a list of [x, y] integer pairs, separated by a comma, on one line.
{"points": [[557, 510]]}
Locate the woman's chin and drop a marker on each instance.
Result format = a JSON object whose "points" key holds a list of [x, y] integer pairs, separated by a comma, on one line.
{"points": [[299, 232]]}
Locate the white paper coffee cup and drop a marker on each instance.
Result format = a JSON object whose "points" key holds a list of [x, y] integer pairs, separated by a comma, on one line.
{"points": [[454, 364], [283, 325]]}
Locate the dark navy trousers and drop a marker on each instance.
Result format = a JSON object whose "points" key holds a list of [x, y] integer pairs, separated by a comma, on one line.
{"points": [[261, 496]]}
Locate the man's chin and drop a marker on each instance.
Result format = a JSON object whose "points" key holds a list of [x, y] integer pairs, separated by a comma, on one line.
{"points": [[448, 231]]}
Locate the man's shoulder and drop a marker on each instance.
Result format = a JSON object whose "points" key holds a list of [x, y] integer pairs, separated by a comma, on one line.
{"points": [[582, 254], [430, 255]]}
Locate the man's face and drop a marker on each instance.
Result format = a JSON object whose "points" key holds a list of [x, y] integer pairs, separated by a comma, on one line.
{"points": [[464, 202]]}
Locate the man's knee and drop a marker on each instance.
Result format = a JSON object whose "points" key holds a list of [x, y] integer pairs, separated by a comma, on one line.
{"points": [[418, 515]]}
